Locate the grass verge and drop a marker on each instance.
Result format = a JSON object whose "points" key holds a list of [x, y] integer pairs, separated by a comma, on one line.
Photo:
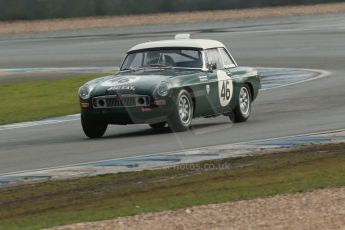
{"points": [[25, 101], [105, 197]]}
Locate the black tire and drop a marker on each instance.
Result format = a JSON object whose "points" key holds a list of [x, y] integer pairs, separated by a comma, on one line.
{"points": [[92, 128], [181, 122], [158, 125], [244, 106]]}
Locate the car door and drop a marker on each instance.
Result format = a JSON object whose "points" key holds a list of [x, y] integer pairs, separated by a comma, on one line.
{"points": [[221, 84]]}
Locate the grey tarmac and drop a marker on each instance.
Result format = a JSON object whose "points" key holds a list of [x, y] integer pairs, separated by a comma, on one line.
{"points": [[315, 42]]}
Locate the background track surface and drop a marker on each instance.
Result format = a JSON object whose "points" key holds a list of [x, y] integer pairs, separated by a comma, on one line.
{"points": [[315, 42]]}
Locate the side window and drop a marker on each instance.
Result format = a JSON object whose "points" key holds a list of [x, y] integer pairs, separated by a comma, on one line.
{"points": [[226, 58], [214, 57]]}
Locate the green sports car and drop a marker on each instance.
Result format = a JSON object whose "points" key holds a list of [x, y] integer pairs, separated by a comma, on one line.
{"points": [[170, 82]]}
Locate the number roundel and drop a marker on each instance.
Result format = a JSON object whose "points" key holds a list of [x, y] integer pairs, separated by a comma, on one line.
{"points": [[225, 88], [116, 81]]}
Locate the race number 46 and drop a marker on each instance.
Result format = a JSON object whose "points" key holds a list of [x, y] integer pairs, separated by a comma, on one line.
{"points": [[225, 87], [225, 92]]}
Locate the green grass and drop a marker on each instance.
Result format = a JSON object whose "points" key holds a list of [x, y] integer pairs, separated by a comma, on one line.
{"points": [[25, 101], [104, 197]]}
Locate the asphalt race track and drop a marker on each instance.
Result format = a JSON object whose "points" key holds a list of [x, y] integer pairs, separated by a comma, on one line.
{"points": [[315, 42]]}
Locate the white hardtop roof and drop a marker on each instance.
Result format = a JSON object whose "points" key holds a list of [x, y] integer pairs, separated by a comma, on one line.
{"points": [[188, 43]]}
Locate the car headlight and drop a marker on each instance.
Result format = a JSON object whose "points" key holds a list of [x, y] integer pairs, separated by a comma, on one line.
{"points": [[163, 89], [85, 91]]}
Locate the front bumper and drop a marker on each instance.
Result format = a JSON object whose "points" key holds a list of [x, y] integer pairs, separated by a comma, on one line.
{"points": [[128, 115]]}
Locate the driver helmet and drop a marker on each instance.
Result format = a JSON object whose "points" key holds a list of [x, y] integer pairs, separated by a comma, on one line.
{"points": [[152, 57]]}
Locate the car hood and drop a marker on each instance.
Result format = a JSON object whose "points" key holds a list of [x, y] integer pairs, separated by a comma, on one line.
{"points": [[142, 82]]}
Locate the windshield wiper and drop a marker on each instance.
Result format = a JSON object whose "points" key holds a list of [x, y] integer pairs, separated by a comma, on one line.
{"points": [[160, 65], [131, 69], [145, 67]]}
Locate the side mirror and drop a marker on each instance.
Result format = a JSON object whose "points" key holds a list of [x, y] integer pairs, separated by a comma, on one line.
{"points": [[212, 66]]}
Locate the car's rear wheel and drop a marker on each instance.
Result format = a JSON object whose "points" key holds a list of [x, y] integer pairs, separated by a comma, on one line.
{"points": [[158, 125], [244, 106], [181, 117], [93, 128]]}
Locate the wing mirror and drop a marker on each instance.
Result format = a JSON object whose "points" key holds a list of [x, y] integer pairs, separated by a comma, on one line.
{"points": [[212, 66]]}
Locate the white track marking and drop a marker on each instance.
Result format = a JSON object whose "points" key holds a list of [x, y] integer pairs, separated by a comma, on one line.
{"points": [[269, 30], [171, 152], [74, 117], [322, 73], [57, 69]]}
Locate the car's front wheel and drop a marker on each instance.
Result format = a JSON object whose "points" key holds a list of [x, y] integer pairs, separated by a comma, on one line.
{"points": [[182, 114], [244, 106], [93, 128]]}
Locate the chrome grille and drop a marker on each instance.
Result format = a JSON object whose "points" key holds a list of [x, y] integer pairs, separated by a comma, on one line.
{"points": [[121, 101]]}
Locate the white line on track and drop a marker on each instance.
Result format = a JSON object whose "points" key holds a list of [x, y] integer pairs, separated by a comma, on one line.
{"points": [[270, 30], [58, 69], [322, 74], [68, 118], [74, 117], [171, 152]]}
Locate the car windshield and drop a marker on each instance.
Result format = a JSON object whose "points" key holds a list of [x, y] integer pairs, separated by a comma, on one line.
{"points": [[163, 58]]}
